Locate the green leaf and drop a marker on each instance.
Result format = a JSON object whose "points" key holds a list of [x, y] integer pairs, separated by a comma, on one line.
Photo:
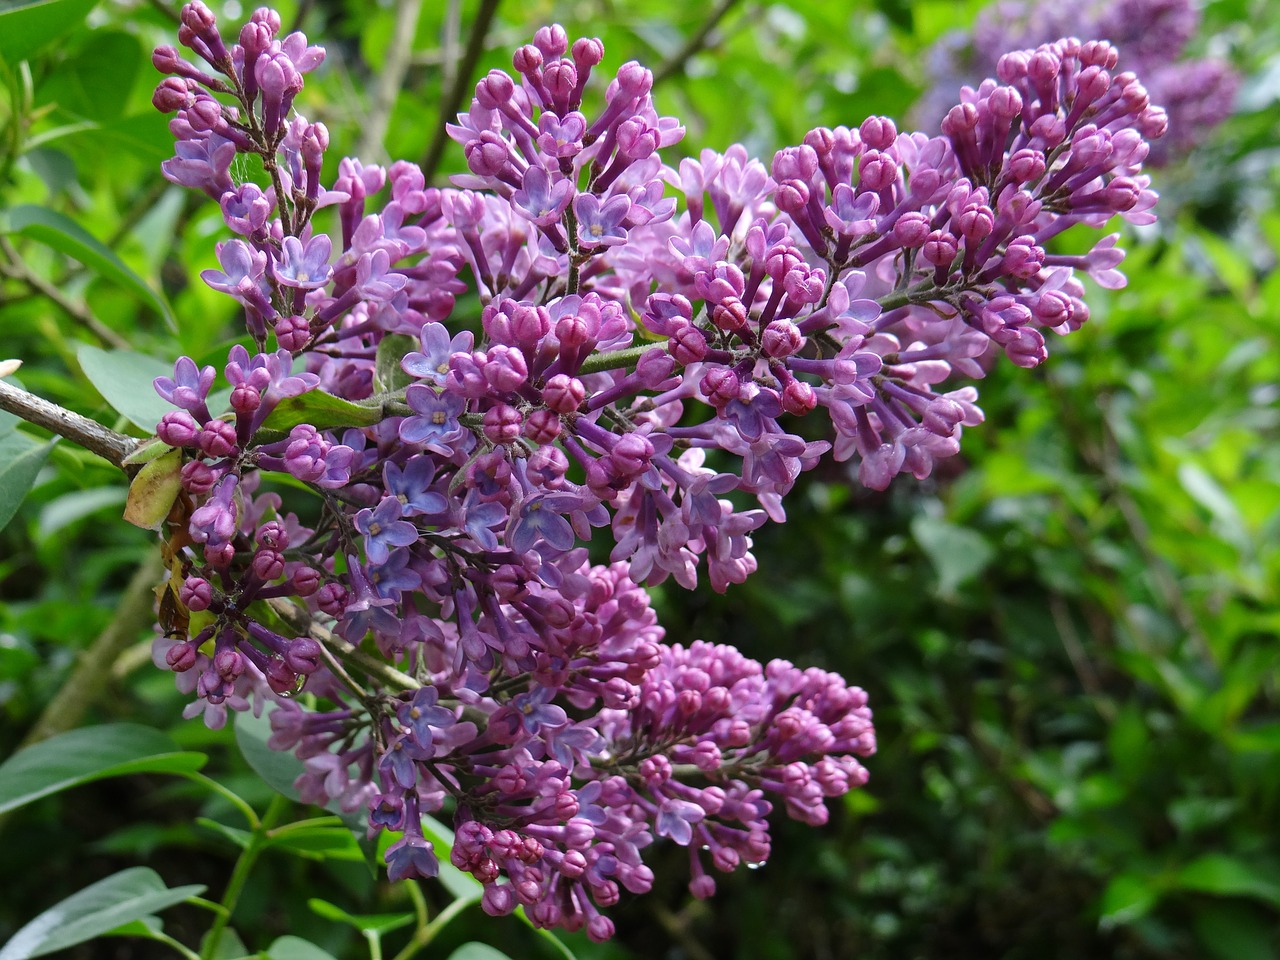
{"points": [[154, 490], [1227, 876], [378, 923], [1128, 897], [125, 380], [957, 553], [97, 82], [119, 899], [20, 461], [76, 505], [320, 841], [277, 768], [322, 410], [295, 948], [477, 951], [82, 756], [388, 375], [66, 236], [27, 27]]}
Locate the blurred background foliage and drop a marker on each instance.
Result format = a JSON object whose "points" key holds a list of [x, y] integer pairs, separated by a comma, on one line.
{"points": [[1070, 634]]}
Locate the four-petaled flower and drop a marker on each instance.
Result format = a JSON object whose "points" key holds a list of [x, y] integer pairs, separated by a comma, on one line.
{"points": [[600, 224], [383, 529]]}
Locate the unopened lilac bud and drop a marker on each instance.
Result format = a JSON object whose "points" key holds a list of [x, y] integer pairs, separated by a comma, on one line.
{"points": [[687, 345], [196, 593], [725, 859], [245, 399], [269, 17], [219, 555], [498, 900], [878, 133], [940, 249], [587, 53], [166, 60], [564, 394], [502, 424], [197, 477], [720, 385], [912, 229], [178, 428], [702, 887], [332, 599], [217, 439], [305, 581], [293, 333], [654, 368], [1026, 165], [527, 59], [798, 398], [542, 426], [573, 864], [173, 94], [303, 655], [551, 40], [181, 656], [268, 565], [229, 664], [486, 156], [600, 928]]}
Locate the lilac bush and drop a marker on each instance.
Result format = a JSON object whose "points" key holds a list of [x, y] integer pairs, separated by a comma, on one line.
{"points": [[472, 381]]}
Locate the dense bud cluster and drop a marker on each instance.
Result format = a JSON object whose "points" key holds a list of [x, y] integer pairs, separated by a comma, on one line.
{"points": [[1197, 93], [473, 381]]}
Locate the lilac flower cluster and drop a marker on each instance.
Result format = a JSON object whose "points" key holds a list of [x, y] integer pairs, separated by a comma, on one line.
{"points": [[1197, 93], [471, 381]]}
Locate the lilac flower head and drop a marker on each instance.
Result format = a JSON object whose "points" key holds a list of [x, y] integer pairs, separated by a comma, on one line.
{"points": [[188, 388]]}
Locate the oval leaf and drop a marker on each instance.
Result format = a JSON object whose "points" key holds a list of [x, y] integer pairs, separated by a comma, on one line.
{"points": [[477, 951], [66, 236], [20, 461], [27, 27], [82, 756], [153, 491], [322, 410], [119, 899], [295, 948]]}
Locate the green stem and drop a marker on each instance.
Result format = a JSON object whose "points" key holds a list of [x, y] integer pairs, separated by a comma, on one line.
{"points": [[180, 947], [235, 800], [616, 359], [424, 935], [240, 875]]}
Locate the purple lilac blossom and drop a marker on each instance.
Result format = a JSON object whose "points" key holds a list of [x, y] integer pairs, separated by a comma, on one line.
{"points": [[627, 341]]}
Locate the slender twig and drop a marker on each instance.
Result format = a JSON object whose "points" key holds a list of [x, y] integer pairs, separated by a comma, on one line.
{"points": [[17, 269], [1080, 661], [92, 670], [94, 437], [678, 60], [453, 95], [390, 80], [240, 875]]}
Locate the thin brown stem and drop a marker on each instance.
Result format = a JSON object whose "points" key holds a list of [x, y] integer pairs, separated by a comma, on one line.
{"points": [[697, 41], [17, 269], [453, 95], [391, 79], [93, 436]]}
